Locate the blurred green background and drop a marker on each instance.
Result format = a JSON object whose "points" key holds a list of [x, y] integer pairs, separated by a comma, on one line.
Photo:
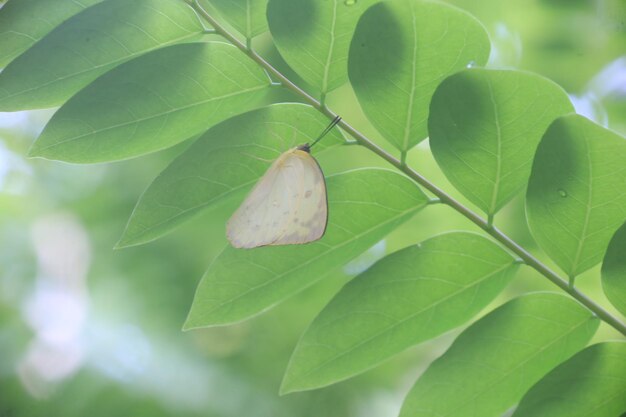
{"points": [[89, 331]]}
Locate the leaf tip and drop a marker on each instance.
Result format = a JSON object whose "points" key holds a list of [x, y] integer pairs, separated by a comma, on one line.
{"points": [[286, 387], [34, 151], [126, 242], [189, 324], [132, 237], [293, 382], [120, 244], [40, 150], [194, 319]]}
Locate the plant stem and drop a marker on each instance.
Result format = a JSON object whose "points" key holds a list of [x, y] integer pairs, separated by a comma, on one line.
{"points": [[443, 197]]}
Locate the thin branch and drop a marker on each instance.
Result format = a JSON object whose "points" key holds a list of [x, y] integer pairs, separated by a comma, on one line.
{"points": [[443, 197]]}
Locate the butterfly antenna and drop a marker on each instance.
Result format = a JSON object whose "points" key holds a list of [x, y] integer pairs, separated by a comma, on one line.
{"points": [[332, 124]]}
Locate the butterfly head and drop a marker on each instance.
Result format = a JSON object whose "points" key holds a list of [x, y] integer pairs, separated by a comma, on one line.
{"points": [[305, 147]]}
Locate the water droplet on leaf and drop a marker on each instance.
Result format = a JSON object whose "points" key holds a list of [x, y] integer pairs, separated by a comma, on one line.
{"points": [[349, 2], [471, 64], [562, 193]]}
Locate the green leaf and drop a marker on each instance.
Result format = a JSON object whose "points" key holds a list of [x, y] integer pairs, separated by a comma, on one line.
{"points": [[24, 22], [485, 126], [400, 52], [88, 45], [576, 196], [614, 270], [153, 102], [314, 37], [364, 206], [590, 384], [492, 364], [408, 297], [247, 16], [225, 161]]}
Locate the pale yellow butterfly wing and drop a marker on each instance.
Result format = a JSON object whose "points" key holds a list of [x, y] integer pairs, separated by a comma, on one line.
{"points": [[287, 206]]}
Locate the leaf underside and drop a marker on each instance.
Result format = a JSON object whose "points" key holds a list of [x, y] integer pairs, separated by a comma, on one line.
{"points": [[590, 384], [17, 31], [576, 196], [496, 360], [614, 270], [484, 128], [400, 52], [90, 44], [224, 162], [246, 16], [135, 77], [364, 206], [314, 37], [408, 297], [153, 102]]}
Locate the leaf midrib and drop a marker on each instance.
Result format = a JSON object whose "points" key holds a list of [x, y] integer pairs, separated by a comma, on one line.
{"points": [[496, 184], [583, 237], [248, 21], [153, 116], [331, 46], [409, 113]]}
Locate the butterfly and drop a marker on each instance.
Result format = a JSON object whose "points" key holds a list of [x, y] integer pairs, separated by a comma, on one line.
{"points": [[287, 206]]}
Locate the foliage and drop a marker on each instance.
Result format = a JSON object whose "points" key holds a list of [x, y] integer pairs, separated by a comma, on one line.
{"points": [[576, 199], [591, 384], [136, 77], [614, 270], [480, 110], [366, 205], [392, 306], [537, 332], [397, 60]]}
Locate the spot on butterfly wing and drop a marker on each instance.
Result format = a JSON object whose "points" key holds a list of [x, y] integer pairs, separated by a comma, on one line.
{"points": [[281, 212]]}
